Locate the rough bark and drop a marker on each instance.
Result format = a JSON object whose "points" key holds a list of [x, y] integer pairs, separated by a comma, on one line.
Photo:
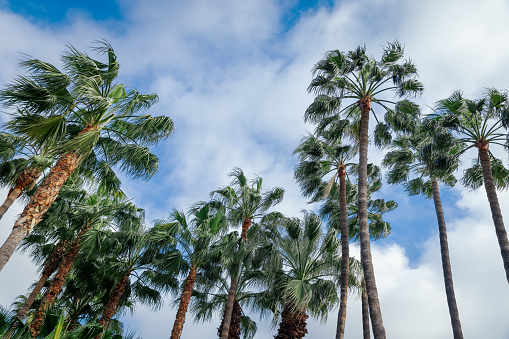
{"points": [[293, 325], [40, 202], [25, 179], [187, 291], [496, 213], [57, 284], [111, 306], [228, 310], [50, 267], [367, 263], [234, 332], [245, 227], [365, 312], [446, 264], [345, 254]]}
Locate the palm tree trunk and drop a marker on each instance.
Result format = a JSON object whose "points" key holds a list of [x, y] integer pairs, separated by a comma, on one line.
{"points": [[496, 214], [446, 264], [293, 325], [367, 263], [111, 306], [345, 255], [26, 178], [49, 268], [57, 284], [365, 311], [234, 332], [245, 227], [187, 291], [40, 202], [228, 310]]}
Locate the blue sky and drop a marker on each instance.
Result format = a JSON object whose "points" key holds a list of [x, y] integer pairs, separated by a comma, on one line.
{"points": [[233, 77]]}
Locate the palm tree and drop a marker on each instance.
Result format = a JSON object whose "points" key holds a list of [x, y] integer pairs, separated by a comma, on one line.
{"points": [[429, 154], [320, 156], [479, 123], [312, 261], [193, 241], [213, 287], [17, 172], [86, 104], [356, 77], [133, 254], [243, 203], [94, 211]]}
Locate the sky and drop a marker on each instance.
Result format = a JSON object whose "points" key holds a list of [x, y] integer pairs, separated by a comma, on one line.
{"points": [[233, 76]]}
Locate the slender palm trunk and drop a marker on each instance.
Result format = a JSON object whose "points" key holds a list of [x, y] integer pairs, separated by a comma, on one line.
{"points": [[57, 284], [496, 213], [49, 268], [365, 312], [111, 306], [234, 332], [245, 227], [26, 178], [293, 325], [446, 264], [367, 263], [345, 254], [228, 310], [187, 291]]}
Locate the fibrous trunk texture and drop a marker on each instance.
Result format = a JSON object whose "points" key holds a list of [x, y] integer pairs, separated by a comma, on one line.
{"points": [[40, 202], [234, 332], [228, 310], [111, 306], [496, 214], [187, 291], [365, 312], [57, 284], [367, 263], [25, 179], [245, 227], [293, 325], [50, 267], [345, 255], [446, 264]]}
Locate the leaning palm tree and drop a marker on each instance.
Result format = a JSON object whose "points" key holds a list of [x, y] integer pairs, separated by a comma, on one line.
{"points": [[320, 156], [193, 241], [243, 202], [428, 154], [20, 167], [363, 81], [131, 253], [95, 212], [98, 114], [480, 123]]}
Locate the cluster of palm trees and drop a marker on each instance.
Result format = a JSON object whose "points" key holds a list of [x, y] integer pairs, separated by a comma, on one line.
{"points": [[71, 131]]}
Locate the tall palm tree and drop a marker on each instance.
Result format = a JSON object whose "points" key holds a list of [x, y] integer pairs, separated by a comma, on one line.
{"points": [[87, 104], [320, 156], [480, 123], [193, 242], [428, 154], [243, 202], [378, 227], [363, 81]]}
